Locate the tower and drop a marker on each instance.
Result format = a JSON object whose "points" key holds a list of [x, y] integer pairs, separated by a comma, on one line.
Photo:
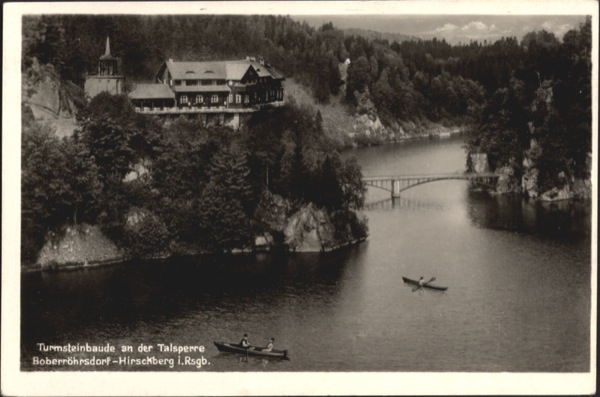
{"points": [[107, 78], [107, 64]]}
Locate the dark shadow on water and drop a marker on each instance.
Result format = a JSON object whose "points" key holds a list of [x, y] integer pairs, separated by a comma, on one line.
{"points": [[153, 293], [560, 219]]}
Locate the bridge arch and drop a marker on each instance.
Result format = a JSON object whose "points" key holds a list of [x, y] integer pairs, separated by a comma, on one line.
{"points": [[399, 183]]}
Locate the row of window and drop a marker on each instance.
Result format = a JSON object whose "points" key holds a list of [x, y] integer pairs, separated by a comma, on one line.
{"points": [[214, 99], [238, 97], [216, 82], [199, 82]]}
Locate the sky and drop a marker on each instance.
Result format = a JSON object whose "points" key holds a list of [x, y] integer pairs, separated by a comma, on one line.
{"points": [[453, 28]]}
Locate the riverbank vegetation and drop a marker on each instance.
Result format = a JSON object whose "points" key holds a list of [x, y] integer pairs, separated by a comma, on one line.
{"points": [[157, 189], [538, 118]]}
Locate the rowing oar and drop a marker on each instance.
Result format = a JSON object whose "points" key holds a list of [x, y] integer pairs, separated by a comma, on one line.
{"points": [[424, 284]]}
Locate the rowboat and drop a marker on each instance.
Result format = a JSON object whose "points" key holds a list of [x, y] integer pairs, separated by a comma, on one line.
{"points": [[251, 351], [426, 285]]}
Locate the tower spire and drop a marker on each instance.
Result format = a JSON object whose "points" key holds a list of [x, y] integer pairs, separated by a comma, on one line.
{"points": [[107, 51]]}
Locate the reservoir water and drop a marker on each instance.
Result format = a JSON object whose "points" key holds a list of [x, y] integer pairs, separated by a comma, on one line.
{"points": [[518, 300]]}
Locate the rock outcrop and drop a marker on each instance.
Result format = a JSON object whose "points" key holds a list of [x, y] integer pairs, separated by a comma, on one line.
{"points": [[309, 230], [80, 245], [581, 188], [507, 181], [479, 163], [555, 194], [569, 188], [529, 183], [49, 98]]}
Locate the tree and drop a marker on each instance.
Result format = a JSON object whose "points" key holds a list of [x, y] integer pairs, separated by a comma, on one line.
{"points": [[59, 184], [115, 135], [358, 77], [225, 203]]}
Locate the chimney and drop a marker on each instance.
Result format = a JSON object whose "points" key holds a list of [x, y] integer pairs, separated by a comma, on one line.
{"points": [[262, 61]]}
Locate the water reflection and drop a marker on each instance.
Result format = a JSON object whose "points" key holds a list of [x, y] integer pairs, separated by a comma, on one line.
{"points": [[402, 203], [513, 213]]}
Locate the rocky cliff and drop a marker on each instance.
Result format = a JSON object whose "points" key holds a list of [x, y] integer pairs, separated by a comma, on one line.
{"points": [[78, 246], [305, 229], [49, 98], [508, 182]]}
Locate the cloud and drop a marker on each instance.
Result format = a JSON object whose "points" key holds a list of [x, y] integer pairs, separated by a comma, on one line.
{"points": [[449, 27], [558, 30], [478, 26]]}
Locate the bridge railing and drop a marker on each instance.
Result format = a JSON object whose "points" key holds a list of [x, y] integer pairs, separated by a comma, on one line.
{"points": [[399, 183], [450, 175]]}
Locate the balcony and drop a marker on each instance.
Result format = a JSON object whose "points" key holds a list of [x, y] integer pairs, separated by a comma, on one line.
{"points": [[196, 110]]}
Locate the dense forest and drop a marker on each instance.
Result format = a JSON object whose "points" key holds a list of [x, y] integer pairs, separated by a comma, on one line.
{"points": [[529, 104], [410, 80], [202, 186]]}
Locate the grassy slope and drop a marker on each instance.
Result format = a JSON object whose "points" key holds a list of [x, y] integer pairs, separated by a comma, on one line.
{"points": [[337, 120], [348, 128]]}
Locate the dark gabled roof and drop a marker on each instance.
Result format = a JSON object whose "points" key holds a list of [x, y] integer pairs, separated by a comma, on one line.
{"points": [[261, 70], [152, 91], [196, 70], [277, 75], [221, 70], [201, 88]]}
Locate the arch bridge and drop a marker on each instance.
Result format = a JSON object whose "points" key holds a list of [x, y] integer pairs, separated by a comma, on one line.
{"points": [[396, 184]]}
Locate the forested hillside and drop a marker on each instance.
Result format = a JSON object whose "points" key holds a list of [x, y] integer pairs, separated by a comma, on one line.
{"points": [[537, 119], [396, 82]]}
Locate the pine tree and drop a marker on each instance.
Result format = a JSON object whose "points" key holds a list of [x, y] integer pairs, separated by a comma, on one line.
{"points": [[226, 201]]}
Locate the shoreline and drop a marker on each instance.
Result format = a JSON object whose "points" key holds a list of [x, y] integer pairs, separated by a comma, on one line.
{"points": [[75, 266], [445, 134]]}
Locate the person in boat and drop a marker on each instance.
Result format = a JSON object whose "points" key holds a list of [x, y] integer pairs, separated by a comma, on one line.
{"points": [[421, 282], [269, 346], [244, 342]]}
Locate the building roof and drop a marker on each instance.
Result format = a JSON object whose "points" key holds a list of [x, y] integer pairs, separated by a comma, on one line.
{"points": [[197, 70], [152, 91], [201, 88], [277, 75], [223, 70], [261, 70], [236, 70]]}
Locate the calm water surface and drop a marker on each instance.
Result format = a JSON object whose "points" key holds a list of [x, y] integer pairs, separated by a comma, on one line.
{"points": [[518, 299]]}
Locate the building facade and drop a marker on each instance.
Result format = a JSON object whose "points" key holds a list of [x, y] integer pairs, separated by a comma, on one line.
{"points": [[239, 84], [221, 91]]}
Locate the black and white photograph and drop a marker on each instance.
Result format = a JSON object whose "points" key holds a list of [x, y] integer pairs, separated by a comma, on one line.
{"points": [[299, 198]]}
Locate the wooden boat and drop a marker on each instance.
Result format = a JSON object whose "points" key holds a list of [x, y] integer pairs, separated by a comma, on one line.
{"points": [[251, 351], [427, 285]]}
